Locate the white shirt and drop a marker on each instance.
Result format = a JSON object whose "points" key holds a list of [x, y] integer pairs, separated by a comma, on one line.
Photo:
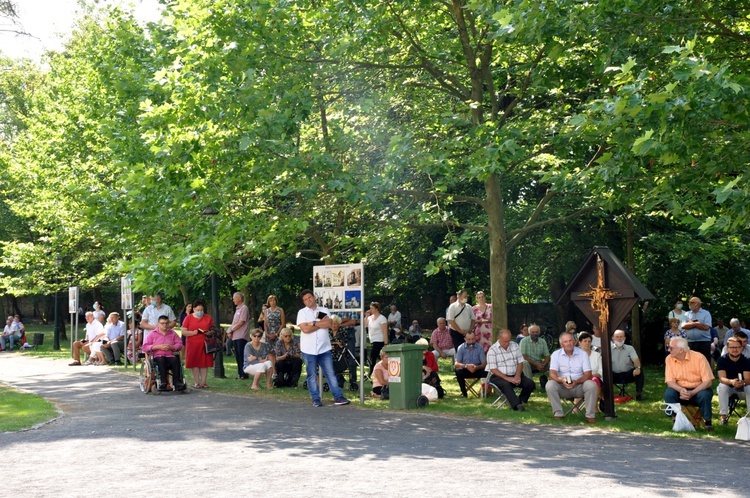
{"points": [[462, 318], [151, 314], [93, 329], [374, 329], [395, 318], [317, 342], [595, 359]]}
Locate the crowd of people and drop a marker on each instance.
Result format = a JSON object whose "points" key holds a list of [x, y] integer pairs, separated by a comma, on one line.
{"points": [[694, 346]]}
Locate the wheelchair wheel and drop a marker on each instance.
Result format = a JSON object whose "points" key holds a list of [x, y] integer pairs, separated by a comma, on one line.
{"points": [[146, 379], [304, 385], [326, 387], [353, 386], [422, 401]]}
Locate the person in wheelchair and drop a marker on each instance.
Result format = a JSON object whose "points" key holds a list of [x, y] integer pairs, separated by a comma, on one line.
{"points": [[161, 343]]}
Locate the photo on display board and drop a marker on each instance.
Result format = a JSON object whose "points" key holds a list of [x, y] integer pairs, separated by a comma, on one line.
{"points": [[353, 299], [354, 278], [318, 279], [331, 299], [337, 278]]}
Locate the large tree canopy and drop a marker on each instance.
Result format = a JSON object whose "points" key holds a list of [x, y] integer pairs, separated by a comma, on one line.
{"points": [[445, 144]]}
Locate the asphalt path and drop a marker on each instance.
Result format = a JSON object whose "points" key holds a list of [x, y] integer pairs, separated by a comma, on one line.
{"points": [[112, 440]]}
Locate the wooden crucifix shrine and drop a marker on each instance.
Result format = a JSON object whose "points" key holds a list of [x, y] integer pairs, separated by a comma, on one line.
{"points": [[605, 291]]}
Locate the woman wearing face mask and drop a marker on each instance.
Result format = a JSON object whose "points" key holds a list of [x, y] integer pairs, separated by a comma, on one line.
{"points": [[196, 358], [678, 313], [99, 312]]}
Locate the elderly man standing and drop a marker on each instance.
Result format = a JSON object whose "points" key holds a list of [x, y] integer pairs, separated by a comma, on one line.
{"points": [[688, 376], [151, 314], [535, 355], [505, 363], [470, 362], [570, 377], [238, 332], [460, 318], [626, 366], [94, 331], [697, 326], [733, 371]]}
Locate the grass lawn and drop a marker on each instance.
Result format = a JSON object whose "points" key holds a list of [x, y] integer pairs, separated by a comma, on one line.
{"points": [[19, 410], [637, 417]]}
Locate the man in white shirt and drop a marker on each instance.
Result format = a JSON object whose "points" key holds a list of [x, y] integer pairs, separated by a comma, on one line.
{"points": [[94, 331], [150, 316], [314, 321], [570, 377], [460, 318], [115, 330]]}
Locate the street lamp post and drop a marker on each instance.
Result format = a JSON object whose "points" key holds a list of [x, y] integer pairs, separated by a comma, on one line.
{"points": [[219, 357]]}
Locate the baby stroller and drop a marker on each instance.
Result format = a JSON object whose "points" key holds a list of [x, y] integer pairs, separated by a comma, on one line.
{"points": [[343, 359]]}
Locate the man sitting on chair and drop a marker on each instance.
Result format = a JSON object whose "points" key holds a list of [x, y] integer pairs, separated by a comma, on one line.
{"points": [[162, 344], [626, 366], [733, 371], [505, 362], [570, 377], [470, 361], [535, 355], [688, 376]]}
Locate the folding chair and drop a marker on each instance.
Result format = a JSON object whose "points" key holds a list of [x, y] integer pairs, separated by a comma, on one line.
{"points": [[471, 387], [693, 413], [734, 401], [622, 396], [501, 400], [574, 406]]}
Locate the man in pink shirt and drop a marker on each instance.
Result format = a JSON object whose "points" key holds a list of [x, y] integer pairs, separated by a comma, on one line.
{"points": [[162, 343], [441, 340]]}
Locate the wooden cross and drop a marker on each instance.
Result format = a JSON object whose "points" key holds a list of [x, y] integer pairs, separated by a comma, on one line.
{"points": [[600, 296]]}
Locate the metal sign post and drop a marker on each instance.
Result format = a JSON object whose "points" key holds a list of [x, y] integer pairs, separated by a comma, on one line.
{"points": [[73, 310], [126, 303]]}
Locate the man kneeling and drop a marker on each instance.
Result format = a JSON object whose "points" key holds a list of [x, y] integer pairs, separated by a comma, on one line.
{"points": [[162, 343], [570, 377]]}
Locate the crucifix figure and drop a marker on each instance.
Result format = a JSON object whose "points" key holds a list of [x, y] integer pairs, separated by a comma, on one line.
{"points": [[600, 295]]}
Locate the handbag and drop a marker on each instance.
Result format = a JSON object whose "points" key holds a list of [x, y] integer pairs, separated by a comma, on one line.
{"points": [[743, 429], [212, 342]]}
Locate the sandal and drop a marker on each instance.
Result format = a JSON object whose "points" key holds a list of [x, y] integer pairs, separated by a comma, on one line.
{"points": [[204, 386], [255, 388], [75, 364], [197, 386]]}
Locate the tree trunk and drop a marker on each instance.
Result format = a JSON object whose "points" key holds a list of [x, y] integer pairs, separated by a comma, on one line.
{"points": [[498, 255], [635, 322], [185, 298]]}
